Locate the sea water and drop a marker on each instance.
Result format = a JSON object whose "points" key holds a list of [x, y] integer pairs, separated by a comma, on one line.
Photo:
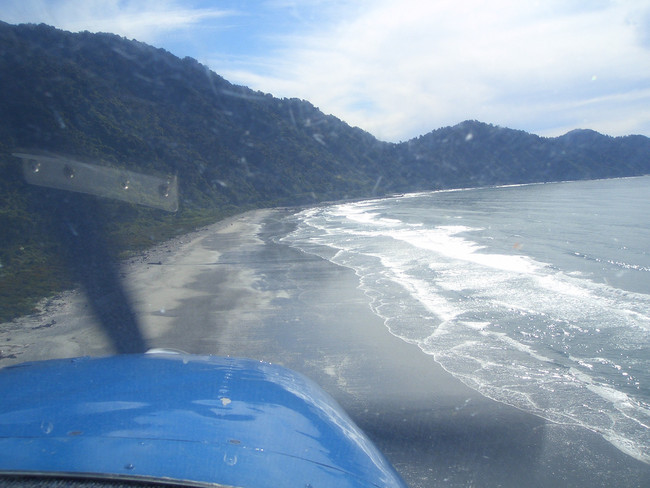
{"points": [[537, 296]]}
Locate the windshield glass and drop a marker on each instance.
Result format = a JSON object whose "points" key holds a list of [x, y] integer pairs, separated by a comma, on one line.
{"points": [[437, 213]]}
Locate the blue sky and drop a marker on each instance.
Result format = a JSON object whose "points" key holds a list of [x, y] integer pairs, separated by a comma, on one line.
{"points": [[399, 69]]}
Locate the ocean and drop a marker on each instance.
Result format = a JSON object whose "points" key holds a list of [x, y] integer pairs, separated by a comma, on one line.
{"points": [[537, 296]]}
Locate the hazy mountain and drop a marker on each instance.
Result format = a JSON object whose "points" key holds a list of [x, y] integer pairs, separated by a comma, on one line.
{"points": [[127, 104], [475, 154], [124, 102]]}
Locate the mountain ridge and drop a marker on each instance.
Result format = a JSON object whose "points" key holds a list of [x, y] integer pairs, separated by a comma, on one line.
{"points": [[123, 103], [123, 89]]}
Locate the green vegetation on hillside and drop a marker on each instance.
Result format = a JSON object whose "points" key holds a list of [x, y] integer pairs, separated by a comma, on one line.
{"points": [[103, 98]]}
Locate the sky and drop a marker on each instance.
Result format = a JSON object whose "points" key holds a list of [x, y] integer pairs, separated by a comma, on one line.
{"points": [[400, 69]]}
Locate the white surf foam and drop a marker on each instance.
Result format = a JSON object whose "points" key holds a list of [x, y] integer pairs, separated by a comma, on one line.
{"points": [[509, 326]]}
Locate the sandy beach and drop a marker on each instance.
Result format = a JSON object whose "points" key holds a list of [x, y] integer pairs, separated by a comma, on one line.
{"points": [[231, 289]]}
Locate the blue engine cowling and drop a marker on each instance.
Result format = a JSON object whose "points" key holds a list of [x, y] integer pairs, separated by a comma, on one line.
{"points": [[197, 419]]}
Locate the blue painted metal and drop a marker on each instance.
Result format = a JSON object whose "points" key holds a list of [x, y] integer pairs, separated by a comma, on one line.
{"points": [[197, 418]]}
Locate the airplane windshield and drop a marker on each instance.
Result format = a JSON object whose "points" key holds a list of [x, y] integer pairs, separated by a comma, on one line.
{"points": [[435, 213]]}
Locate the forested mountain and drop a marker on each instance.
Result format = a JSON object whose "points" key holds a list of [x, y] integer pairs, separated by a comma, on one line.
{"points": [[123, 103], [476, 154], [126, 103]]}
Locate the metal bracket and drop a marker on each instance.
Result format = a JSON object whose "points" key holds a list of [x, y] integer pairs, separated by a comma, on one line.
{"points": [[67, 174]]}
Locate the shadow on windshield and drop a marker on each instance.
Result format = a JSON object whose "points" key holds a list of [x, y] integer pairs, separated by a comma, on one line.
{"points": [[67, 199]]}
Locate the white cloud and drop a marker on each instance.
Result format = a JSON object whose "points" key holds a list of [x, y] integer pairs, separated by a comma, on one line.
{"points": [[399, 69], [145, 20]]}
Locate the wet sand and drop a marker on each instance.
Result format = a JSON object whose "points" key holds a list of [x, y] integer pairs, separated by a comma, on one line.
{"points": [[231, 290]]}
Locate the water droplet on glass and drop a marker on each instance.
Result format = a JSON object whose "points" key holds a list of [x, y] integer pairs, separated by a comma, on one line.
{"points": [[47, 427], [164, 189], [68, 172], [230, 459]]}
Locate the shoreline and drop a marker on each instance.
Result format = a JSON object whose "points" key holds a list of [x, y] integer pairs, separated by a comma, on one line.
{"points": [[64, 327], [230, 289]]}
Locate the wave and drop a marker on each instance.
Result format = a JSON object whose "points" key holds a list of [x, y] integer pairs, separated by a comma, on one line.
{"points": [[518, 330]]}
